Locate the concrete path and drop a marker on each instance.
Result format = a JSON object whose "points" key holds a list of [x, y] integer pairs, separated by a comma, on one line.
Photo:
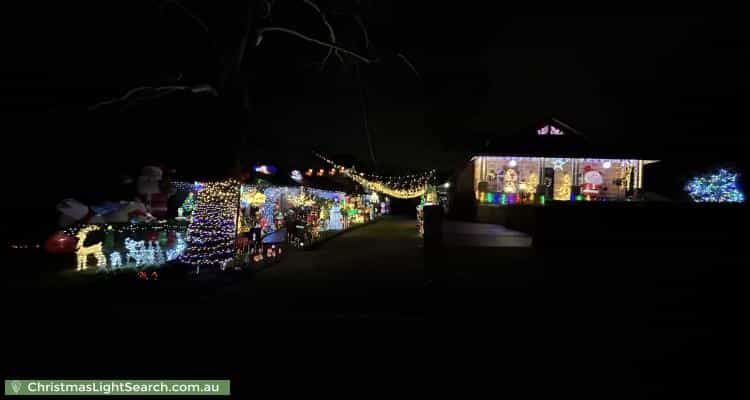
{"points": [[472, 234]]}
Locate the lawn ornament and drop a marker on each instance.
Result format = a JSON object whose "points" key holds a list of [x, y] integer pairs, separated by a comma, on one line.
{"points": [[59, 243], [178, 249], [136, 250], [83, 252], [158, 254], [115, 260], [149, 256]]}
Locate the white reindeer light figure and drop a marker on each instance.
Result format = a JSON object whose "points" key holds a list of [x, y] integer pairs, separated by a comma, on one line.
{"points": [[135, 251], [149, 258], [83, 252], [158, 254]]}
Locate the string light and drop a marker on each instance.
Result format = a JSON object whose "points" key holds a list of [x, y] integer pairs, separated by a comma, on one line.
{"points": [[335, 219], [265, 169], [563, 190], [149, 256], [128, 228], [115, 259], [136, 251], [559, 163], [211, 234], [401, 187], [158, 253], [178, 249], [83, 252]]}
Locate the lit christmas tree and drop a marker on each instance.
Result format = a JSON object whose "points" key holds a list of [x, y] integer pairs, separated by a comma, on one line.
{"points": [[211, 234], [721, 187]]}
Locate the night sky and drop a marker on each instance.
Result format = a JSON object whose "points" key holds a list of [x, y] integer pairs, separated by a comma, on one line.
{"points": [[673, 83]]}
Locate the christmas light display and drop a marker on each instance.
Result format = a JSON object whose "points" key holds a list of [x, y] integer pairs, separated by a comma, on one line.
{"points": [[401, 187], [335, 218], [115, 259], [719, 187], [510, 181], [183, 187], [83, 252], [269, 210], [136, 251], [188, 205], [625, 174], [420, 220], [548, 129], [149, 258], [265, 169], [563, 188], [559, 163], [325, 194], [211, 234], [178, 249], [158, 254], [130, 229]]}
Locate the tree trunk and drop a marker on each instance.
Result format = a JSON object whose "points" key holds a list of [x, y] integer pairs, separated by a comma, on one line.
{"points": [[236, 97]]}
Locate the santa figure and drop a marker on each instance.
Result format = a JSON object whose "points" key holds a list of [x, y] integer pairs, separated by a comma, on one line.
{"points": [[155, 189], [592, 182]]}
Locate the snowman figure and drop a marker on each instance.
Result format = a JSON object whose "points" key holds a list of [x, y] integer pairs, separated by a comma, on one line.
{"points": [[510, 181], [115, 259], [592, 182]]}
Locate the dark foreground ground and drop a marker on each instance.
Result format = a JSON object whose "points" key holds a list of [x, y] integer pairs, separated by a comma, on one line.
{"points": [[372, 312]]}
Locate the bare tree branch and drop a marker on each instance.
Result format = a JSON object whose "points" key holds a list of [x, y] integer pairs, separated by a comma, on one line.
{"points": [[316, 41], [411, 66], [364, 30], [151, 92], [331, 33], [189, 14], [243, 42]]}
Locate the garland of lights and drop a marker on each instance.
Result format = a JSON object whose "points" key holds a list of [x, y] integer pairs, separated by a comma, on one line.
{"points": [[127, 228], [211, 233], [720, 187], [400, 187]]}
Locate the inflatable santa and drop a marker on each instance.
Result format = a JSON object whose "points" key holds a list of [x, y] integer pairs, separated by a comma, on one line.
{"points": [[592, 182], [155, 190]]}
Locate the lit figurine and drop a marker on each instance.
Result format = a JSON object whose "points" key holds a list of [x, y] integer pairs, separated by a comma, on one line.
{"points": [[115, 259], [83, 252]]}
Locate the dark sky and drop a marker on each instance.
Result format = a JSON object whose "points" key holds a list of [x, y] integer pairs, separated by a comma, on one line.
{"points": [[667, 82]]}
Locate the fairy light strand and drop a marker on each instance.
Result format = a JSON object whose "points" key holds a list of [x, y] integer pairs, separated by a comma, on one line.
{"points": [[400, 187], [211, 233]]}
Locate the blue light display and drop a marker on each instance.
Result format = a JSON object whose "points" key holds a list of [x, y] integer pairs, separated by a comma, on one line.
{"points": [[720, 187]]}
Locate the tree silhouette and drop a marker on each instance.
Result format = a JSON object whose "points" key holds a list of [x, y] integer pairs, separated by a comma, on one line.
{"points": [[236, 53]]}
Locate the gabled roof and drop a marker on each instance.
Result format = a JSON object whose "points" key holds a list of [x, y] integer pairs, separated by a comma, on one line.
{"points": [[554, 138]]}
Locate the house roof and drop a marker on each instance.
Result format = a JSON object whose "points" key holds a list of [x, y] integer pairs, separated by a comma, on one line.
{"points": [[554, 138], [333, 183]]}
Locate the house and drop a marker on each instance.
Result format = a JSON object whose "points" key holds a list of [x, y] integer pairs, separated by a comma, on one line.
{"points": [[549, 162]]}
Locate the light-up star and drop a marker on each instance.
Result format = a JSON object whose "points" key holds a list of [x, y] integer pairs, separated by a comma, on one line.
{"points": [[559, 163]]}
